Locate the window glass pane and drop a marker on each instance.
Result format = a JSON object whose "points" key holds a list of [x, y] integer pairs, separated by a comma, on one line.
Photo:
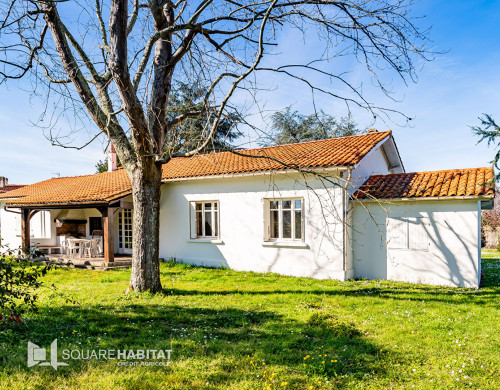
{"points": [[215, 206], [208, 206], [287, 204], [208, 223], [298, 204], [198, 206], [216, 222], [274, 224], [287, 224], [273, 205], [298, 224], [199, 225]]}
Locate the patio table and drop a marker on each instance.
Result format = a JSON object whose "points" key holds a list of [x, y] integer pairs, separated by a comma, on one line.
{"points": [[80, 242]]}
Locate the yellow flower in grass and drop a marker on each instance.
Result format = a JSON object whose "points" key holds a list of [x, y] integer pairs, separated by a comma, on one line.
{"points": [[283, 384]]}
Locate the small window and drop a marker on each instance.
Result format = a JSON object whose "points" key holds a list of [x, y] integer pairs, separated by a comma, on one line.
{"points": [[408, 233], [284, 220], [206, 219]]}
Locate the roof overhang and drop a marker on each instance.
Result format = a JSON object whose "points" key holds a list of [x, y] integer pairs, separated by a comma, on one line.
{"points": [[313, 170], [427, 198], [390, 152]]}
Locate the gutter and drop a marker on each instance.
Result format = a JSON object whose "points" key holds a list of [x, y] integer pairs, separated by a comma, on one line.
{"points": [[427, 198]]}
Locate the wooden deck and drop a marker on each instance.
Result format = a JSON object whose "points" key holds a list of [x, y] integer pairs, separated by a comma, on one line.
{"points": [[94, 263]]}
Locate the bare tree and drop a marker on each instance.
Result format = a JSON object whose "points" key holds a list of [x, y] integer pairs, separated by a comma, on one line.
{"points": [[120, 73]]}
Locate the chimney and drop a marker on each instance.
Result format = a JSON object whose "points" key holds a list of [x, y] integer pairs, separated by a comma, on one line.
{"points": [[372, 130], [112, 165], [3, 181]]}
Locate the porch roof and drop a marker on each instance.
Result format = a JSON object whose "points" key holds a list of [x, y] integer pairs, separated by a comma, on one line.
{"points": [[108, 186], [76, 190]]}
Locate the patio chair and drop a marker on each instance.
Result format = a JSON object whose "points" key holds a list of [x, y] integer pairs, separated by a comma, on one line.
{"points": [[91, 248], [97, 234], [73, 247]]}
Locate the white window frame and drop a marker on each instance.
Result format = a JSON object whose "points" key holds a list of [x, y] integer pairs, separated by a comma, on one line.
{"points": [[43, 216], [267, 220], [214, 214], [408, 226]]}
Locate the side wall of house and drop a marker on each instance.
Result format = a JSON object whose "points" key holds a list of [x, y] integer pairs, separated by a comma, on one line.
{"points": [[452, 253], [375, 163], [242, 216]]}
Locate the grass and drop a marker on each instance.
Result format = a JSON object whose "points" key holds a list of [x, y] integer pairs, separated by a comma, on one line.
{"points": [[240, 330]]}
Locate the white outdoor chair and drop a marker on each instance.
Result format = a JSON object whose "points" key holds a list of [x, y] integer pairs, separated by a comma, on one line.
{"points": [[91, 248], [73, 247]]}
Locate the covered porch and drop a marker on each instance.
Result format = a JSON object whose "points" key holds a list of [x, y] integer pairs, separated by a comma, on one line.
{"points": [[76, 226]]}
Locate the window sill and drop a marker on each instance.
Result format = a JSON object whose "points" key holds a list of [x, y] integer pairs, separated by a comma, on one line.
{"points": [[284, 244], [205, 241], [407, 250]]}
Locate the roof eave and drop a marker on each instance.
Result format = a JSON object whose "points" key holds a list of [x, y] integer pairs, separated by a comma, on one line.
{"points": [[262, 173], [425, 198]]}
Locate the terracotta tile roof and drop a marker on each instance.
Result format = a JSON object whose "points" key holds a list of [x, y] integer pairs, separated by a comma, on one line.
{"points": [[10, 187], [99, 188], [455, 182], [344, 151]]}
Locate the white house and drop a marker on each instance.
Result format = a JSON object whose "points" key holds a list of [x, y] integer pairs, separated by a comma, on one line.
{"points": [[340, 208]]}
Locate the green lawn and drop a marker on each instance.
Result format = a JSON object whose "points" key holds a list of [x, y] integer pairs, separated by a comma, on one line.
{"points": [[239, 330]]}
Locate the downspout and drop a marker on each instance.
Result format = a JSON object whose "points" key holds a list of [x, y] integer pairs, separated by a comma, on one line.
{"points": [[345, 203], [11, 211]]}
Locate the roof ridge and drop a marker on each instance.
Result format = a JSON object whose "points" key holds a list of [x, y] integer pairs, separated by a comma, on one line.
{"points": [[294, 143]]}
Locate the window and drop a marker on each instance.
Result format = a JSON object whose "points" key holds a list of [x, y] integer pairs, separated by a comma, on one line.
{"points": [[206, 219], [284, 219], [408, 233], [40, 225]]}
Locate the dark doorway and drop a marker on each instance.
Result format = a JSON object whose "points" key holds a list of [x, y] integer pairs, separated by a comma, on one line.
{"points": [[95, 223]]}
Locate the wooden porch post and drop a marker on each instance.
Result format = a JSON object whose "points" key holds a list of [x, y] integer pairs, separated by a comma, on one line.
{"points": [[108, 233], [25, 230]]}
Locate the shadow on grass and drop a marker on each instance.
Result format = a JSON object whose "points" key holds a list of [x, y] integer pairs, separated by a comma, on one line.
{"points": [[413, 293], [227, 335]]}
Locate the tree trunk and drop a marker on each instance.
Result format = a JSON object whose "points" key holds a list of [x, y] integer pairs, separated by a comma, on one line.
{"points": [[146, 183]]}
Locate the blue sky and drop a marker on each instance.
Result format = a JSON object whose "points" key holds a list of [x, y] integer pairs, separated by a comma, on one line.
{"points": [[451, 92]]}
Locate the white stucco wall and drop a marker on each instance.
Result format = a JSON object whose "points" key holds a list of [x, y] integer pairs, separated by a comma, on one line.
{"points": [[373, 164], [453, 254], [242, 245]]}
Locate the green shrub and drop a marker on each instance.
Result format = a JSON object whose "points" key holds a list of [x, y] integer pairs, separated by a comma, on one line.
{"points": [[19, 280]]}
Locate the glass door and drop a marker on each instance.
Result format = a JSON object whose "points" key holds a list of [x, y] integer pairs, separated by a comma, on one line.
{"points": [[125, 232]]}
